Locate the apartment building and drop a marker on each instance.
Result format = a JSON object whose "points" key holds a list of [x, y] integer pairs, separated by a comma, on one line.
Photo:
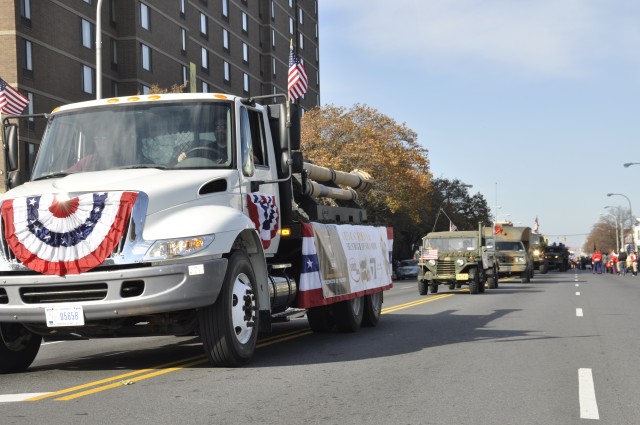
{"points": [[48, 47]]}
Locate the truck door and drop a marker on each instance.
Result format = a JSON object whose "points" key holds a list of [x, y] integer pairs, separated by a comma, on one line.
{"points": [[258, 163]]}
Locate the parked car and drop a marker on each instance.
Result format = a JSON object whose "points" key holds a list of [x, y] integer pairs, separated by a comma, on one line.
{"points": [[407, 269]]}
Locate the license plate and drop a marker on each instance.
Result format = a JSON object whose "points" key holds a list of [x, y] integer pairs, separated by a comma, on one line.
{"points": [[64, 316], [462, 276]]}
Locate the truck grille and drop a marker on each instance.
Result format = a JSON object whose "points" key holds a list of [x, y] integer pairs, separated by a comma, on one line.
{"points": [[445, 267], [63, 293]]}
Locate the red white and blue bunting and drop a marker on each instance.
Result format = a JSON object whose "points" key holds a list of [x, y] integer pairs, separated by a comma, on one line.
{"points": [[58, 236], [263, 212]]}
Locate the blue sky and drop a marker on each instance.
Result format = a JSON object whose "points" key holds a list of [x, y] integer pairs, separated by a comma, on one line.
{"points": [[534, 103]]}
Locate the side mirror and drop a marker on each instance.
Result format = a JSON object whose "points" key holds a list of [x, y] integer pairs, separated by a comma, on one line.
{"points": [[11, 147]]}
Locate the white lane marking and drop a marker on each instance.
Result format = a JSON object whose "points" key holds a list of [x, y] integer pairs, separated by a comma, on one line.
{"points": [[577, 284], [8, 398], [588, 403], [577, 293], [579, 312]]}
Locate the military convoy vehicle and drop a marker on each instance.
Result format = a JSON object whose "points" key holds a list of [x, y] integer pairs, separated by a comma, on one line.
{"points": [[557, 256], [456, 258], [538, 253], [512, 245]]}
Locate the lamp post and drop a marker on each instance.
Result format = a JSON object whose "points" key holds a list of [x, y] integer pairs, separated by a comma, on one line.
{"points": [[631, 214], [616, 219], [99, 50]]}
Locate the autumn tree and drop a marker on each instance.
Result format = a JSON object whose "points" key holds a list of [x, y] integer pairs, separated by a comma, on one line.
{"points": [[452, 204], [363, 138]]}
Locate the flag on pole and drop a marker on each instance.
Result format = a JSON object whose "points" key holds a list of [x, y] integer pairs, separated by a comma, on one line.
{"points": [[297, 76], [452, 227], [11, 101], [535, 225]]}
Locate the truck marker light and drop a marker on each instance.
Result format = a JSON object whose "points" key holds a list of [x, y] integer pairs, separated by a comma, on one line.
{"points": [[285, 232], [114, 100], [133, 99], [154, 97], [220, 96]]}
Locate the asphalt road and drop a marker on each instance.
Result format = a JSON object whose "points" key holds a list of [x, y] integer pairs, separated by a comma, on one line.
{"points": [[562, 349]]}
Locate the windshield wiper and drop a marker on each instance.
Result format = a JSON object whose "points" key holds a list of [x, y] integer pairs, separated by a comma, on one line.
{"points": [[52, 176], [132, 167]]}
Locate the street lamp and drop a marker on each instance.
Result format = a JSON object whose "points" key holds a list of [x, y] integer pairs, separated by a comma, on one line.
{"points": [[629, 164], [631, 219], [616, 219], [99, 50]]}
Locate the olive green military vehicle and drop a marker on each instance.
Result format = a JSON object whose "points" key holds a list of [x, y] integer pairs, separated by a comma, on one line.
{"points": [[454, 259], [512, 249], [558, 257], [538, 253]]}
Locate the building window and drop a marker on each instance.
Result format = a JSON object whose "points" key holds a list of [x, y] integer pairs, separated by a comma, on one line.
{"points": [[273, 10], [182, 8], [145, 56], [183, 46], [204, 59], [245, 82], [205, 87], [273, 67], [144, 89], [227, 71], [225, 39], [273, 39], [86, 34], [87, 79], [301, 42], [291, 3], [87, 1], [114, 54], [204, 27], [245, 23], [300, 16], [25, 12], [185, 75], [112, 13], [291, 25], [245, 53], [28, 56], [225, 9], [144, 17]]}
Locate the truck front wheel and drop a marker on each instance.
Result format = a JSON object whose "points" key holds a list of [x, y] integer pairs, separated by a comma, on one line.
{"points": [[229, 327], [18, 347], [474, 281], [423, 287]]}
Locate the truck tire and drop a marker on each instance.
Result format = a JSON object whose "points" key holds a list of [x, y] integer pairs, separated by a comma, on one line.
{"points": [[474, 281], [18, 347], [433, 288], [372, 309], [491, 281], [349, 314], [524, 276], [452, 286], [543, 269], [229, 327], [321, 319], [423, 287]]}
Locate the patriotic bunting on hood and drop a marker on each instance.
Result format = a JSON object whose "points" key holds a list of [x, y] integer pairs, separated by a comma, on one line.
{"points": [[263, 211], [66, 236]]}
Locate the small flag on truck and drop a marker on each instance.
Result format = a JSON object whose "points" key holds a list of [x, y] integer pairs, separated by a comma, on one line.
{"points": [[297, 76]]}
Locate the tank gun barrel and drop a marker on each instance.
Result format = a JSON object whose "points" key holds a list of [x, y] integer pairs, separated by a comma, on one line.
{"points": [[357, 179]]}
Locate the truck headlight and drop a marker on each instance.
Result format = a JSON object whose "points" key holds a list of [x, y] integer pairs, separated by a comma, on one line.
{"points": [[172, 248], [432, 262], [519, 259], [460, 262]]}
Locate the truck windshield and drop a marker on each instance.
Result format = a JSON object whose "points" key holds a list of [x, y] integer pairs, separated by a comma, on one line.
{"points": [[160, 135], [451, 244], [510, 246]]}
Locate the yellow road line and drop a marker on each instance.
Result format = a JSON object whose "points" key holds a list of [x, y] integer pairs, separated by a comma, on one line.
{"points": [[142, 374]]}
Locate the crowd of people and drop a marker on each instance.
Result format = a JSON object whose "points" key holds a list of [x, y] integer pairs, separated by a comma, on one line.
{"points": [[619, 264]]}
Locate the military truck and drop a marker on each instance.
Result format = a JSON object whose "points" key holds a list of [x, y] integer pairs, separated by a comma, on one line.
{"points": [[538, 253], [512, 245], [456, 258], [557, 256]]}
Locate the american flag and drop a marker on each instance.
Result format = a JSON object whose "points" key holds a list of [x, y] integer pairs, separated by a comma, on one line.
{"points": [[429, 254], [297, 76], [11, 101]]}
